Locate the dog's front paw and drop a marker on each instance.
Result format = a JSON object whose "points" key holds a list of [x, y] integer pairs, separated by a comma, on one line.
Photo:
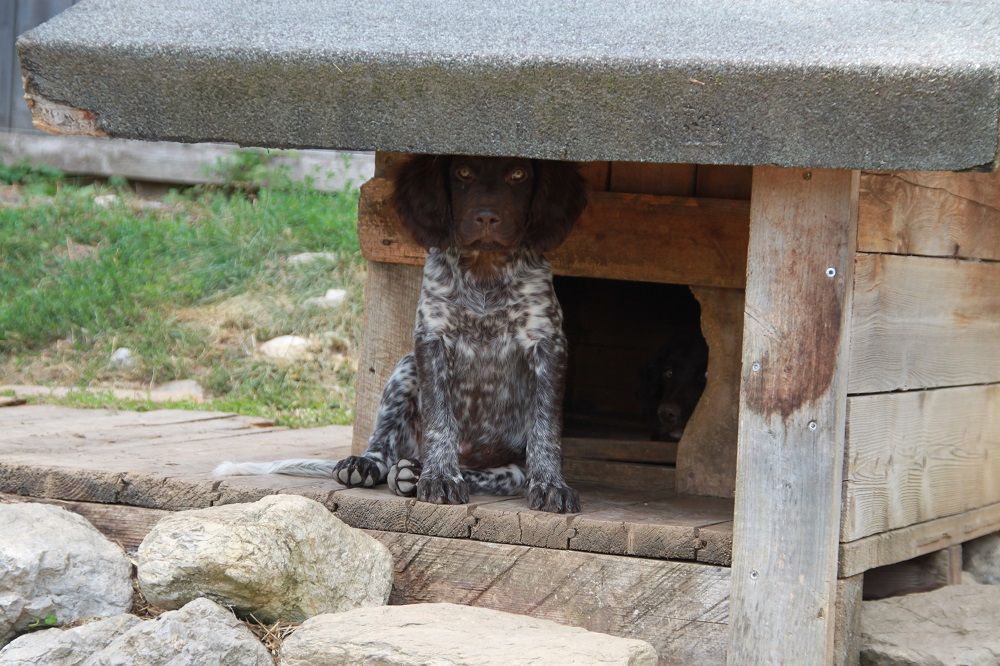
{"points": [[355, 471], [553, 497], [403, 477], [440, 489]]}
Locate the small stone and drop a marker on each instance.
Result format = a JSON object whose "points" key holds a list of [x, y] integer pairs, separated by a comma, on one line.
{"points": [[956, 624], [981, 559], [332, 299], [123, 358], [285, 347], [311, 257], [284, 557], [202, 632], [65, 647], [452, 634], [58, 565], [106, 200], [181, 389]]}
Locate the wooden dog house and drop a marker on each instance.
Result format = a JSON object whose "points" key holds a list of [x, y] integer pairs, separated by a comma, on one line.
{"points": [[818, 175]]}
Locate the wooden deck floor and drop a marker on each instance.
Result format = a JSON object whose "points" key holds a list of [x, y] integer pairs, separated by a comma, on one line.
{"points": [[162, 460]]}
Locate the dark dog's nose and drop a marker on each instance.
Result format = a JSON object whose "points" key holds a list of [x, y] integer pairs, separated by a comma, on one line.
{"points": [[487, 218]]}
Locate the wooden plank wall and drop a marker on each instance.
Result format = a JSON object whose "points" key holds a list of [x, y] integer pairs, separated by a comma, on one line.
{"points": [[924, 414]]}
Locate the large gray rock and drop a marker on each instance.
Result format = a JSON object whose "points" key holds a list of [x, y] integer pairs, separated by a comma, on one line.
{"points": [[65, 647], [981, 559], [284, 557], [200, 633], [952, 626], [54, 562], [421, 634]]}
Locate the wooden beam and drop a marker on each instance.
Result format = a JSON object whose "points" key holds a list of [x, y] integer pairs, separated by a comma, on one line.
{"points": [[847, 635], [183, 163], [678, 607], [706, 454], [622, 450], [920, 455], [922, 322], [391, 293], [916, 540], [646, 178], [792, 406], [641, 237], [940, 214]]}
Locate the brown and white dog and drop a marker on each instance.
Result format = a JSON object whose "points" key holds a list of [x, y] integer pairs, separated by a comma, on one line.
{"points": [[477, 407]]}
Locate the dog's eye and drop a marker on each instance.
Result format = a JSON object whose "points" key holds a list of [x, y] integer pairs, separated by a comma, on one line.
{"points": [[517, 175], [463, 173]]}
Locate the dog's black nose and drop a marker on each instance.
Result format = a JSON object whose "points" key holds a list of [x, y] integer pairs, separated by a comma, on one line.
{"points": [[487, 218]]}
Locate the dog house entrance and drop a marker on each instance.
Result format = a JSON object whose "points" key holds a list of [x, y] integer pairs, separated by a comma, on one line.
{"points": [[636, 370]]}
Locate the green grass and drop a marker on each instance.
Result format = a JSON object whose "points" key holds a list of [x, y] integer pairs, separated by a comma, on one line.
{"points": [[190, 287]]}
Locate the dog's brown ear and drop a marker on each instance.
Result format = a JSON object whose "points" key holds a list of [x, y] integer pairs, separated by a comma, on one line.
{"points": [[558, 200], [422, 200]]}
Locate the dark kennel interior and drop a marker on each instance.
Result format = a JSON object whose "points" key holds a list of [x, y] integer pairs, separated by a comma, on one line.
{"points": [[619, 334]]}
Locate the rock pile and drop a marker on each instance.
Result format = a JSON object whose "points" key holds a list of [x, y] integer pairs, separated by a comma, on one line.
{"points": [[284, 558]]}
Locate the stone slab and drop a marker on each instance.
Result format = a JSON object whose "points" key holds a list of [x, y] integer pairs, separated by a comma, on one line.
{"points": [[827, 83]]}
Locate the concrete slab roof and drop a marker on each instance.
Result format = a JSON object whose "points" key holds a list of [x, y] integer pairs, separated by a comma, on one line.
{"points": [[910, 84]]}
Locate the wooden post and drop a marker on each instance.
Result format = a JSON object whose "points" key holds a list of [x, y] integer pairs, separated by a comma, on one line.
{"points": [[706, 454], [847, 633], [391, 293], [792, 415]]}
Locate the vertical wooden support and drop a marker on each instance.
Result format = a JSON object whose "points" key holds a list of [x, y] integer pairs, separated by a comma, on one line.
{"points": [[792, 416], [847, 632], [391, 294], [706, 454]]}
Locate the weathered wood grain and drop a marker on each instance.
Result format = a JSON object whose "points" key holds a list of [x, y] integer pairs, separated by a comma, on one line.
{"points": [[722, 181], [656, 479], [126, 465], [706, 454], [920, 455], [792, 407], [681, 608], [620, 236], [623, 450], [391, 294], [646, 178], [847, 635], [939, 214], [922, 322], [168, 162], [916, 540]]}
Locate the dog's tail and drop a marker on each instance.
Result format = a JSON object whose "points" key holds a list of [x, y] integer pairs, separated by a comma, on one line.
{"points": [[311, 467]]}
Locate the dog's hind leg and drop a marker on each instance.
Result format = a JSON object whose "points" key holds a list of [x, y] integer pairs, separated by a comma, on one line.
{"points": [[507, 480], [395, 433]]}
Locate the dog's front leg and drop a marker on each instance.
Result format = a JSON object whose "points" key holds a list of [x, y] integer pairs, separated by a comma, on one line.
{"points": [[547, 490], [441, 480]]}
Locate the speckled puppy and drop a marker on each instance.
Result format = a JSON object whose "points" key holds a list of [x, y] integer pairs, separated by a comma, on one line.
{"points": [[477, 407]]}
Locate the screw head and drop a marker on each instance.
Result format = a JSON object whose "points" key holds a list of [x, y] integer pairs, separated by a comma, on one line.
{"points": [[754, 575], [807, 175], [831, 272], [813, 425], [755, 366]]}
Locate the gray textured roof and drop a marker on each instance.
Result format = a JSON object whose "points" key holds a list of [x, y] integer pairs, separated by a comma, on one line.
{"points": [[846, 83]]}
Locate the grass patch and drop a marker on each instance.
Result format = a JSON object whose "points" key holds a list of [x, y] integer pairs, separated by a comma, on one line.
{"points": [[191, 285]]}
